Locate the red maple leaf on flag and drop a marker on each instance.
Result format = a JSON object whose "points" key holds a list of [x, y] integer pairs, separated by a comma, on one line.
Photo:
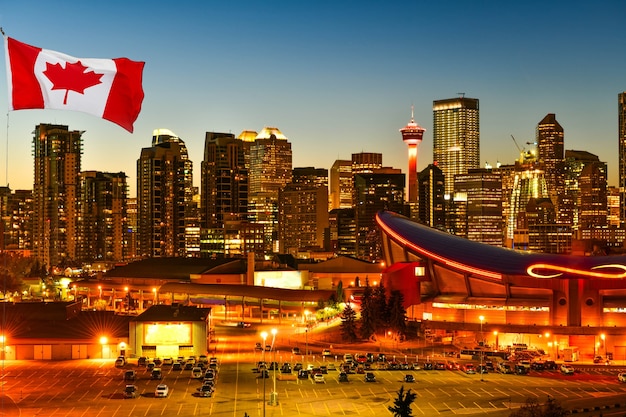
{"points": [[72, 77]]}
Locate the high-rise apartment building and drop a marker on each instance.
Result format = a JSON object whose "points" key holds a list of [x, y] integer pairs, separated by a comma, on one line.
{"points": [[270, 170], [224, 181], [342, 226], [164, 196], [551, 155], [16, 209], [456, 138], [621, 133], [102, 229], [340, 196], [57, 152]]}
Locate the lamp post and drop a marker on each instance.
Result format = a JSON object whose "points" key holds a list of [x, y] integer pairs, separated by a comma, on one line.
{"points": [[497, 347], [264, 337], [274, 394], [481, 318]]}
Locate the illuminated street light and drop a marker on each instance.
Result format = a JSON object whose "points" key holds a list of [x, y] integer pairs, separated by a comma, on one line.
{"points": [[264, 337], [481, 318], [274, 394]]}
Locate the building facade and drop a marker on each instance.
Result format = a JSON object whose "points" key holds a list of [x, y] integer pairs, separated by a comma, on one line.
{"points": [[224, 181], [621, 137], [57, 153], [102, 225], [456, 138], [164, 196]]}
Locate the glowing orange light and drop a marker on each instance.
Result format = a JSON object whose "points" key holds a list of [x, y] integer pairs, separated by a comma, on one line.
{"points": [[560, 270]]}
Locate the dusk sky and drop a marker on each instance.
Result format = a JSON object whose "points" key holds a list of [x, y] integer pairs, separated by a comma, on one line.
{"points": [[336, 77]]}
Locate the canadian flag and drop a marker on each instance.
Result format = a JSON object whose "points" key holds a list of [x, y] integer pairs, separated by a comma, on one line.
{"points": [[44, 79]]}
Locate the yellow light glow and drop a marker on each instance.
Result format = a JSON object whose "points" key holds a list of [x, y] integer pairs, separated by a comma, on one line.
{"points": [[104, 340], [167, 334], [562, 269]]}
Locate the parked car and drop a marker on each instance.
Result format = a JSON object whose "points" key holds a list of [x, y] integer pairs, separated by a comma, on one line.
{"points": [[409, 378], [440, 366], [326, 352], [369, 377], [621, 377], [286, 368], [205, 391], [161, 391], [551, 365], [156, 374], [196, 372], [428, 366], [168, 361], [319, 379], [468, 368], [295, 351], [131, 391], [505, 368], [142, 361], [243, 324], [120, 362], [130, 375], [343, 377], [257, 346], [177, 366], [567, 369], [598, 359], [538, 366]]}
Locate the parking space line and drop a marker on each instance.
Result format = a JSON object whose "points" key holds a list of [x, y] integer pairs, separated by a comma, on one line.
{"points": [[457, 391]]}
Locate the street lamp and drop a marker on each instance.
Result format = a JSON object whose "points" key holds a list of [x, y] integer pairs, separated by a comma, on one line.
{"points": [[264, 337], [274, 394], [481, 318]]}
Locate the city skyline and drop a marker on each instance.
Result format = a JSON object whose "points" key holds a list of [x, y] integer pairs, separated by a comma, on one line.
{"points": [[339, 79]]}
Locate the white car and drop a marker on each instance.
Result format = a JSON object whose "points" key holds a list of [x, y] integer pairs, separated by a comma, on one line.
{"points": [[319, 379], [621, 377], [567, 369], [161, 391]]}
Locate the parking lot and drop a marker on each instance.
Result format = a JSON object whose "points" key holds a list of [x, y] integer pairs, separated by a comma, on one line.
{"points": [[95, 388]]}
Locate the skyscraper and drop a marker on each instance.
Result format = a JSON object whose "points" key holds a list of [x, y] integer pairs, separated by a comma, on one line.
{"points": [[164, 196], [551, 154], [224, 180], [456, 138], [270, 170], [57, 152], [621, 131], [340, 196], [431, 202]]}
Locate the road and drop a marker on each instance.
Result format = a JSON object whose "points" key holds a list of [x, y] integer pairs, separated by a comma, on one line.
{"points": [[94, 388]]}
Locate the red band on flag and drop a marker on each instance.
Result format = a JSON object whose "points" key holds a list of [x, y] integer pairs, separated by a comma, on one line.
{"points": [[124, 102], [26, 92]]}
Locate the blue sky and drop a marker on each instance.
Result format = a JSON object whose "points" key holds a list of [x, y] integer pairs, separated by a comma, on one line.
{"points": [[336, 77]]}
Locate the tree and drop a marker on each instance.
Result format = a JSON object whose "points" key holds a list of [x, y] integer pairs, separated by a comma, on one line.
{"points": [[367, 323], [348, 324], [379, 308], [397, 312], [402, 404], [552, 408]]}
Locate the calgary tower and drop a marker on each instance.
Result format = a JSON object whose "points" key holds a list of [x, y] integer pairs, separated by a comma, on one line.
{"points": [[412, 135]]}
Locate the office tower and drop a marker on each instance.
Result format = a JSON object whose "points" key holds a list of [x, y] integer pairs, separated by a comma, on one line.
{"points": [[621, 132], [309, 176], [224, 180], [585, 191], [456, 138], [270, 170], [382, 189], [102, 230], [340, 196], [342, 226], [164, 196], [412, 135], [551, 154], [16, 211], [57, 152], [303, 217], [431, 204], [613, 206], [545, 235], [478, 195]]}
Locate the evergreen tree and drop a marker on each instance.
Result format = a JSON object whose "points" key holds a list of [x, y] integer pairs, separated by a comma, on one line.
{"points": [[397, 313], [380, 310], [340, 296], [402, 404], [368, 316], [348, 324]]}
